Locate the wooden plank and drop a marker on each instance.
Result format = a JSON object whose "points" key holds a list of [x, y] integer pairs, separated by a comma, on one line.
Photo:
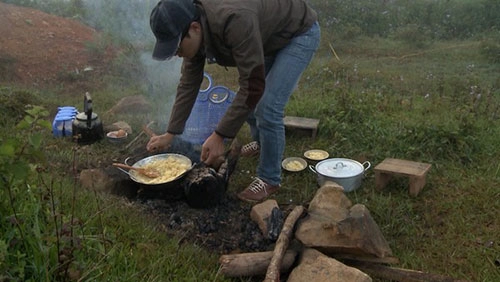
{"points": [[403, 167], [301, 122]]}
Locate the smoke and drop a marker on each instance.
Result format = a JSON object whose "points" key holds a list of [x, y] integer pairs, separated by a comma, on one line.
{"points": [[162, 78], [129, 20]]}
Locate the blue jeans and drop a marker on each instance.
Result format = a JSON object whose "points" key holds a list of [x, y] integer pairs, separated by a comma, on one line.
{"points": [[283, 71]]}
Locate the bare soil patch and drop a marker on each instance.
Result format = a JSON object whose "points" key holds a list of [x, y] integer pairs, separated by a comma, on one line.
{"points": [[37, 48]]}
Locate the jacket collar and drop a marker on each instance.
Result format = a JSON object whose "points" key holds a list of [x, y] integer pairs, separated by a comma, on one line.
{"points": [[208, 49]]}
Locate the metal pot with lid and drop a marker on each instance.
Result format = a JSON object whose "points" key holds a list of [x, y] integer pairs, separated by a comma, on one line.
{"points": [[345, 172], [87, 126]]}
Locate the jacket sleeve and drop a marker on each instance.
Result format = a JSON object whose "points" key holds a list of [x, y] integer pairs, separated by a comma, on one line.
{"points": [[242, 36], [187, 91]]}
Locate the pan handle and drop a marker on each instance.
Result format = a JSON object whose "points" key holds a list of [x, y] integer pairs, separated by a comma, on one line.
{"points": [[123, 170]]}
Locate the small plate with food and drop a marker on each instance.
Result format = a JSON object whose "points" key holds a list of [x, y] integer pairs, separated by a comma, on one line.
{"points": [[117, 136], [294, 164], [316, 155]]}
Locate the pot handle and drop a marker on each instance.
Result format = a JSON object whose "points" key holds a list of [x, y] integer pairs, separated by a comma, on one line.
{"points": [[312, 169], [368, 165]]}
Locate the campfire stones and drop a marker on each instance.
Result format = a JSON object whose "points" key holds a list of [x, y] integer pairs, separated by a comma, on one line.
{"points": [[261, 214], [330, 201], [107, 180], [275, 224], [334, 226], [314, 266]]}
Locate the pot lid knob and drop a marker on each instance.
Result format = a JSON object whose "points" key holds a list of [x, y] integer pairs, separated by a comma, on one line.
{"points": [[339, 165]]}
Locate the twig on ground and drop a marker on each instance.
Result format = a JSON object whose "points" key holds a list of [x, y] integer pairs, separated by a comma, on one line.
{"points": [[138, 136]]}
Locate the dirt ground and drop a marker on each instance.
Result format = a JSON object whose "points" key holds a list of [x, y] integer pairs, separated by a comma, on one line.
{"points": [[39, 49]]}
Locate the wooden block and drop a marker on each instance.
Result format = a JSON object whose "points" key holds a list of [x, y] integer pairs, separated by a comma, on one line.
{"points": [[416, 184], [403, 167], [415, 171], [302, 123], [381, 179]]}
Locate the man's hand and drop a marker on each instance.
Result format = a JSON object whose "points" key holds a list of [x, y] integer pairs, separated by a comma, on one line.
{"points": [[212, 149], [159, 143]]}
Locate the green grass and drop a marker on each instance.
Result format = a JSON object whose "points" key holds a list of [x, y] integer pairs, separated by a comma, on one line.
{"points": [[367, 113], [419, 108]]}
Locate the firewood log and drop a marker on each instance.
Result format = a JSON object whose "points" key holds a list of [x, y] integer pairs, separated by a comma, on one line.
{"points": [[273, 271], [399, 274], [204, 185], [253, 264]]}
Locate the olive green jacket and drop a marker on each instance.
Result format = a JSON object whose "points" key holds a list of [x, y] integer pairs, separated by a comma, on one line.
{"points": [[238, 33]]}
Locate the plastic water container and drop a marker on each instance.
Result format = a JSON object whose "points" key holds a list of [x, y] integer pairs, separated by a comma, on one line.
{"points": [[68, 112], [63, 122], [66, 109], [211, 104]]}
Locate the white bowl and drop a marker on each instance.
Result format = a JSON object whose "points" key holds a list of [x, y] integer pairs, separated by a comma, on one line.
{"points": [[113, 137]]}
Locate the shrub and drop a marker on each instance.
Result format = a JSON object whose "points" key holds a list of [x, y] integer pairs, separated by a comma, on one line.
{"points": [[13, 102], [23, 217]]}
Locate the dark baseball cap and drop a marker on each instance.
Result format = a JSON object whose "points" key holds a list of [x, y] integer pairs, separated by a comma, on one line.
{"points": [[169, 20]]}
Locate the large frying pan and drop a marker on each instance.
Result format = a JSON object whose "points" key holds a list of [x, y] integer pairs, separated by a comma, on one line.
{"points": [[136, 177]]}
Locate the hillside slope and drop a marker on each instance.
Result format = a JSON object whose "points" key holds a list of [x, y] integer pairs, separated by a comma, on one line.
{"points": [[39, 48]]}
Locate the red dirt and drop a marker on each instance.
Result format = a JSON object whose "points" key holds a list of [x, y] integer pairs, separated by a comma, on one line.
{"points": [[39, 48]]}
